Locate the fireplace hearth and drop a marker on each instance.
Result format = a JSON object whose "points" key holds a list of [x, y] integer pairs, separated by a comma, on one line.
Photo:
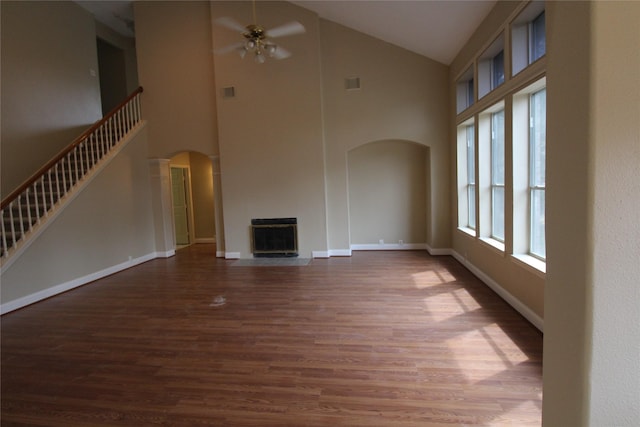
{"points": [[274, 237]]}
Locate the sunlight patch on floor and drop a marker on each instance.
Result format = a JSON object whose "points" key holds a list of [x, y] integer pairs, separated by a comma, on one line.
{"points": [[489, 343], [426, 279]]}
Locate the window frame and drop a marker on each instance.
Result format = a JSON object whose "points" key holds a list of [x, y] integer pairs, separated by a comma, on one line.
{"points": [[535, 187], [472, 186], [498, 184]]}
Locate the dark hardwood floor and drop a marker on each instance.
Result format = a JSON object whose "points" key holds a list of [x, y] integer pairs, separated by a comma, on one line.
{"points": [[377, 339]]}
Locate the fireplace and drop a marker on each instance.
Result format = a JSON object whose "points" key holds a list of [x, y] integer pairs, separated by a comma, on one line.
{"points": [[274, 237]]}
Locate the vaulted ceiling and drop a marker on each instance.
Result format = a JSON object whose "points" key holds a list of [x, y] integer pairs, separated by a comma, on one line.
{"points": [[436, 29]]}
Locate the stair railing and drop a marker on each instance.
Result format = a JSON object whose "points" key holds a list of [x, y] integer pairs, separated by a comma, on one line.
{"points": [[24, 208]]}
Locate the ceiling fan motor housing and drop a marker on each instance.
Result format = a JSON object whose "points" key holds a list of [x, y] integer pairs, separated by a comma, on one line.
{"points": [[255, 32]]}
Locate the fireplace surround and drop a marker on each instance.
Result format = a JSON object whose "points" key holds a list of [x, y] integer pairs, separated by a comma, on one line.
{"points": [[274, 237]]}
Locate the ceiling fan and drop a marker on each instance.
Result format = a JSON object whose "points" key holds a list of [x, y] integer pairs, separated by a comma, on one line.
{"points": [[257, 39]]}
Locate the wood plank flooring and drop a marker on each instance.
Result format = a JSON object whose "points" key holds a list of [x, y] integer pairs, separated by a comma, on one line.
{"points": [[377, 339]]}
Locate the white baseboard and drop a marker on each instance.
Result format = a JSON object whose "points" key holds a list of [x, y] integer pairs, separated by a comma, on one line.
{"points": [[389, 247], [339, 252], [320, 254], [514, 302], [75, 283], [232, 255], [439, 251], [166, 254]]}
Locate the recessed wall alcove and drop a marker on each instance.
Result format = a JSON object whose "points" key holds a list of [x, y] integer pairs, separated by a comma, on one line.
{"points": [[388, 193]]}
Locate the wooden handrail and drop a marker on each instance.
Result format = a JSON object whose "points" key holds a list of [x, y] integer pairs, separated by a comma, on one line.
{"points": [[14, 194]]}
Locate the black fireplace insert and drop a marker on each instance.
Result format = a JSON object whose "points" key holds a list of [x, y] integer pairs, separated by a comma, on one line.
{"points": [[274, 237]]}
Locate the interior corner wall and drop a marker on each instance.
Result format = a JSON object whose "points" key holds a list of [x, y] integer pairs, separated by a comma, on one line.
{"points": [[175, 68], [403, 96], [128, 45], [203, 197], [271, 131], [49, 84]]}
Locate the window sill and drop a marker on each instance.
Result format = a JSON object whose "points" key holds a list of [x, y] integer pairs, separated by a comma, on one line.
{"points": [[532, 264], [493, 243], [468, 231]]}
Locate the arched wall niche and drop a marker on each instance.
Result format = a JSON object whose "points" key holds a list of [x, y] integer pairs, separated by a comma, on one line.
{"points": [[389, 187]]}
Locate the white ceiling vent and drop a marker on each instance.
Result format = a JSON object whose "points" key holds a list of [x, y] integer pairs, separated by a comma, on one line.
{"points": [[352, 83]]}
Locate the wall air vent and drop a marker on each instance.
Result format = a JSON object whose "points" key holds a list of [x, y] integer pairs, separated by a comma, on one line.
{"points": [[352, 83], [229, 92]]}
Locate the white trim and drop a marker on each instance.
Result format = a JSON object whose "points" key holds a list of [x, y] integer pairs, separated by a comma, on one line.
{"points": [[467, 231], [389, 247], [438, 251], [75, 283], [493, 244], [320, 254], [514, 302], [167, 254], [534, 265], [339, 252], [232, 255], [219, 254]]}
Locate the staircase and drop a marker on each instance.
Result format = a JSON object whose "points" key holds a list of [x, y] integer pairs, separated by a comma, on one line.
{"points": [[29, 206]]}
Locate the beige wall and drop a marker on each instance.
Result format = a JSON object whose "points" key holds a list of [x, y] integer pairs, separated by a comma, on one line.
{"points": [[175, 68], [49, 95], [270, 133], [203, 197], [592, 322], [403, 97], [107, 225], [388, 193]]}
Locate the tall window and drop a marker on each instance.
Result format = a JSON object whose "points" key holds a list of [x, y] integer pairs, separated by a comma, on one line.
{"points": [[465, 90], [537, 156], [471, 176], [528, 38], [497, 70], [537, 38], [497, 175]]}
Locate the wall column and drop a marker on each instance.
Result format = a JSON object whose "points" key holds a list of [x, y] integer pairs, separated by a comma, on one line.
{"points": [[217, 197], [160, 172], [592, 324]]}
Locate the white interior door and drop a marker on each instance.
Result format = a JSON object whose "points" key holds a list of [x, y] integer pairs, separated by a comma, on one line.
{"points": [[180, 204]]}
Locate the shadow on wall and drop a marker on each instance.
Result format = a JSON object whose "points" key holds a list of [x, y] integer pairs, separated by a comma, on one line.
{"points": [[388, 192]]}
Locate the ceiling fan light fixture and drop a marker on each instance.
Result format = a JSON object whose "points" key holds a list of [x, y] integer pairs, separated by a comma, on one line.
{"points": [[259, 58], [271, 49]]}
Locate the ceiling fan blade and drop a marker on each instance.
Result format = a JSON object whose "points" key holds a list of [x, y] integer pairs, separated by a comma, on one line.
{"points": [[288, 29], [231, 24], [280, 53], [229, 48]]}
